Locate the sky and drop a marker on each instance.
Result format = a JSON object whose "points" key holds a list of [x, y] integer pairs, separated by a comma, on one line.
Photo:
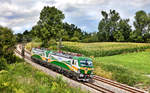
{"points": [[21, 15]]}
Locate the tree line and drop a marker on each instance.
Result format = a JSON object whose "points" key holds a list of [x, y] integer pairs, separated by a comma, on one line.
{"points": [[112, 28]]}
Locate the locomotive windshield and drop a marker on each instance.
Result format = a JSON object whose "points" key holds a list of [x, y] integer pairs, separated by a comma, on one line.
{"points": [[84, 63]]}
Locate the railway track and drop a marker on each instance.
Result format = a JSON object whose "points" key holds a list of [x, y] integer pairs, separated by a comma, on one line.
{"points": [[128, 89], [118, 85], [98, 88]]}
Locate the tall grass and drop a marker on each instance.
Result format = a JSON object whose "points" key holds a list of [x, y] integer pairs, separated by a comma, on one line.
{"points": [[22, 78], [121, 74], [104, 49]]}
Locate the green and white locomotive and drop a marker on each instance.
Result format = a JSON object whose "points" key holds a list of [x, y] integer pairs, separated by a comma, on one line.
{"points": [[70, 64]]}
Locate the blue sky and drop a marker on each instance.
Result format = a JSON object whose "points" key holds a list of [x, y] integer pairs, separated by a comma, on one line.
{"points": [[20, 15]]}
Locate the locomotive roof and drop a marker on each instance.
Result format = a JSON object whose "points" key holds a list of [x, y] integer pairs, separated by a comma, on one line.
{"points": [[66, 55], [70, 56], [82, 58]]}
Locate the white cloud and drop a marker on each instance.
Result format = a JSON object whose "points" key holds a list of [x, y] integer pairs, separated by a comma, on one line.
{"points": [[140, 3], [23, 14]]}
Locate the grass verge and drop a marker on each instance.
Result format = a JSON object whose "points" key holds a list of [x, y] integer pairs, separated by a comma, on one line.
{"points": [[22, 78]]}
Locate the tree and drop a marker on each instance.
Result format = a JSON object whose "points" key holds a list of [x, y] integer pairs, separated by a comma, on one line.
{"points": [[7, 44], [119, 36], [113, 28], [19, 37], [108, 25], [123, 30], [73, 31], [141, 24], [50, 25]]}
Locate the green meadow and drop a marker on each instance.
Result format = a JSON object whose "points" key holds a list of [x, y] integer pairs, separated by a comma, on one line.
{"points": [[138, 62]]}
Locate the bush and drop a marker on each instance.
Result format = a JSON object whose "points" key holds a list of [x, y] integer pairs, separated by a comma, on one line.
{"points": [[100, 72], [3, 63], [74, 39], [122, 74], [52, 42], [65, 38], [86, 40], [36, 39]]}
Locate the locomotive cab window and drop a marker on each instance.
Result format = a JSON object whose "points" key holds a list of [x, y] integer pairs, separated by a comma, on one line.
{"points": [[86, 63], [73, 62]]}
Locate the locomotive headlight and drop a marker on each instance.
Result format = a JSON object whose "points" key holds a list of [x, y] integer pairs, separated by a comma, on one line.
{"points": [[81, 75], [78, 71], [92, 72]]}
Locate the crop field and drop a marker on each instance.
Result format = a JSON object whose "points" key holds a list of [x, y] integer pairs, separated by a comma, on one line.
{"points": [[104, 49]]}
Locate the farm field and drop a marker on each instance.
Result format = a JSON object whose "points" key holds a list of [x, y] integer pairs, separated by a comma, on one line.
{"points": [[23, 78], [104, 48]]}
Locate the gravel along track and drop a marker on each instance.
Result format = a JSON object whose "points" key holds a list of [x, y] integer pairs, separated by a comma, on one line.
{"points": [[100, 85]]}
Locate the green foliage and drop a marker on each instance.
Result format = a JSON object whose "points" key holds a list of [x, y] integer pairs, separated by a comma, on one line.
{"points": [[142, 25], [121, 74], [3, 63], [19, 37], [74, 39], [123, 31], [36, 39], [50, 25], [113, 28], [22, 78], [108, 24], [93, 38], [52, 44], [26, 36], [72, 31], [7, 45], [119, 36], [135, 37]]}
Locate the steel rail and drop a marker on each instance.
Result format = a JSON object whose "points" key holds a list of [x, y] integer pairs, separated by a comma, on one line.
{"points": [[118, 85]]}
